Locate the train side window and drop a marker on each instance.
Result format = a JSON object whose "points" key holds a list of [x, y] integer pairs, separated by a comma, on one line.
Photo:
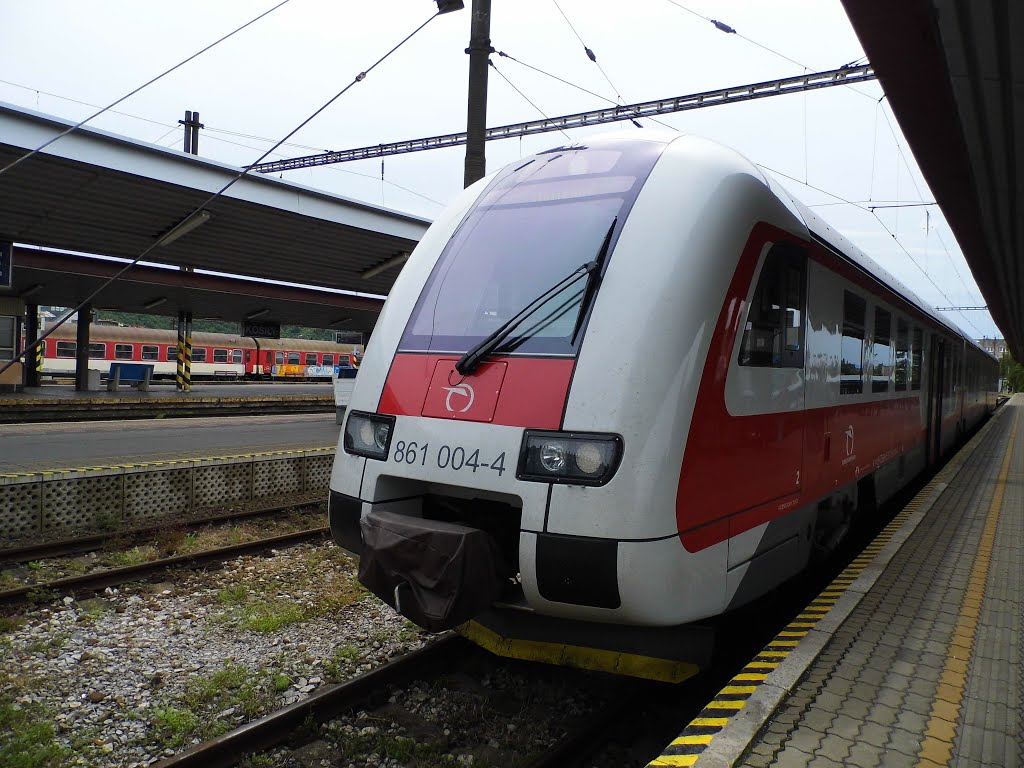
{"points": [[123, 351], [97, 350], [774, 332], [311, 358], [328, 358], [171, 353], [881, 351], [293, 358], [67, 348], [150, 352], [198, 354], [279, 358], [236, 355], [916, 351], [220, 355], [902, 355], [851, 367]]}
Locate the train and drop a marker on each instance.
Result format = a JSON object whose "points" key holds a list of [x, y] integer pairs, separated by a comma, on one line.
{"points": [[625, 386], [214, 355]]}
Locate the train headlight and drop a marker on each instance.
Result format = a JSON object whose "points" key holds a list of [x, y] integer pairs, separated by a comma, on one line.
{"points": [[552, 457], [573, 458], [368, 434]]}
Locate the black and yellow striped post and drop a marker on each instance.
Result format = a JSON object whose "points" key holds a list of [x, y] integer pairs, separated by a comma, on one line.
{"points": [[179, 376], [187, 357], [33, 357]]}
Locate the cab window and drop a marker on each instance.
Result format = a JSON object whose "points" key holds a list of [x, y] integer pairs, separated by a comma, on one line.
{"points": [[773, 335]]}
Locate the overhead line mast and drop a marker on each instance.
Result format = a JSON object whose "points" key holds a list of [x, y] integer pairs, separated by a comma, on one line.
{"points": [[810, 82]]}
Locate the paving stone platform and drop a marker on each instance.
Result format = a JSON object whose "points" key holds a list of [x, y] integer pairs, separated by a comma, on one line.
{"points": [[912, 657]]}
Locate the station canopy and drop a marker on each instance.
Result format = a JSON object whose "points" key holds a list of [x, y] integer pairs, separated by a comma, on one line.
{"points": [[95, 192], [953, 72]]}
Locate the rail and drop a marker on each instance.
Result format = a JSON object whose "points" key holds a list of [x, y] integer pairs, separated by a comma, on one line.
{"points": [[92, 582]]}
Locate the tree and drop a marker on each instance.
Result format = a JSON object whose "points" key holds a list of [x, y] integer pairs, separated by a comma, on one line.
{"points": [[1011, 372]]}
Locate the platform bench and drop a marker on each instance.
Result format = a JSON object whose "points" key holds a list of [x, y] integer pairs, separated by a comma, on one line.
{"points": [[136, 374]]}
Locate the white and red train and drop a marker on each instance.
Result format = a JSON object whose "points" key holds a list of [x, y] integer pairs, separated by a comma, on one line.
{"points": [[625, 386], [214, 355]]}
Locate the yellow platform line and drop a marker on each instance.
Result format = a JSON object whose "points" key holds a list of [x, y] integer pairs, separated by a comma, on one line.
{"points": [[937, 747]]}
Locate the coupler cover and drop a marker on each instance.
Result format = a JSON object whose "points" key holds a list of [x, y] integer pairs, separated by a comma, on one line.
{"points": [[435, 573]]}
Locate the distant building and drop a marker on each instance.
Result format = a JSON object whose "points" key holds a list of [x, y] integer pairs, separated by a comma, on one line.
{"points": [[994, 346]]}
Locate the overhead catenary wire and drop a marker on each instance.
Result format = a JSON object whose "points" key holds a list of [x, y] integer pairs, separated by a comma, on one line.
{"points": [[199, 208], [882, 223], [592, 56], [921, 269], [574, 85], [726, 28], [525, 97], [148, 83], [913, 180], [722, 26]]}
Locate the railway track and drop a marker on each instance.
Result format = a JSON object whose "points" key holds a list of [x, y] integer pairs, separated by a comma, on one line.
{"points": [[110, 577], [443, 655], [273, 729], [63, 547]]}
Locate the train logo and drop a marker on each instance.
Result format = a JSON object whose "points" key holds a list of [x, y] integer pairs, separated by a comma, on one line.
{"points": [[463, 390], [849, 441]]}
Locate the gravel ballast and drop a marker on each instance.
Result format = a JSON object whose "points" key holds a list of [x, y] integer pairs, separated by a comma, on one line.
{"points": [[136, 674]]}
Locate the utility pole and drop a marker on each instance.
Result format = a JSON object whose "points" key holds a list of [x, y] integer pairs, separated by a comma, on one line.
{"points": [[192, 126], [476, 117], [183, 374]]}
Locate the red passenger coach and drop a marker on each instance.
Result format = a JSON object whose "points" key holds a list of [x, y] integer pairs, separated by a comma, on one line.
{"points": [[214, 355], [623, 387]]}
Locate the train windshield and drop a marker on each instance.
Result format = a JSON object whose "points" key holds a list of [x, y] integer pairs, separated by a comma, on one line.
{"points": [[539, 220]]}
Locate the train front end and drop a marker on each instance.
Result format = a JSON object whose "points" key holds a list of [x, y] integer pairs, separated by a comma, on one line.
{"points": [[510, 459]]}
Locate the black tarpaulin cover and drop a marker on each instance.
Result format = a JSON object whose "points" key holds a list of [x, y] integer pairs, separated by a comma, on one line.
{"points": [[446, 573]]}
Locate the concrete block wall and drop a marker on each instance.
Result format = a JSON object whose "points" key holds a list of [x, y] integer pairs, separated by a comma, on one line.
{"points": [[58, 503]]}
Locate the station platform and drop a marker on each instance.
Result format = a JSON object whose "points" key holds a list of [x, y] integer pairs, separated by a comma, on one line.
{"points": [[57, 402], [912, 656]]}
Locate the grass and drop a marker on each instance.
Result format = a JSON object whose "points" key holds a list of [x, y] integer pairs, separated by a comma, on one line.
{"points": [[233, 595], [344, 658], [177, 725], [54, 643], [255, 613], [90, 611], [133, 556], [11, 624], [408, 752], [271, 616], [9, 581], [233, 686], [281, 682], [27, 737]]}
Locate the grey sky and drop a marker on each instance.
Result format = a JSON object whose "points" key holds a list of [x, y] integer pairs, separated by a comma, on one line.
{"points": [[268, 78]]}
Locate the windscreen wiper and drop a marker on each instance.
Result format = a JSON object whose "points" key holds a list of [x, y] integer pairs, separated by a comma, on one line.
{"points": [[594, 281], [470, 361]]}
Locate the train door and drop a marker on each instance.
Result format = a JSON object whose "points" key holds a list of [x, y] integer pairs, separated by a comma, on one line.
{"points": [[766, 388], [936, 389]]}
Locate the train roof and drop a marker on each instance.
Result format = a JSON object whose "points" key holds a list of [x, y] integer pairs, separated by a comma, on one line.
{"points": [[822, 230]]}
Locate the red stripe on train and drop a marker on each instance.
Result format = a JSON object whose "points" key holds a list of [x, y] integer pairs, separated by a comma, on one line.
{"points": [[512, 391]]}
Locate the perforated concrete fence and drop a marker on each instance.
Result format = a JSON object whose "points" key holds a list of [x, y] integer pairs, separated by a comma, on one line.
{"points": [[62, 502]]}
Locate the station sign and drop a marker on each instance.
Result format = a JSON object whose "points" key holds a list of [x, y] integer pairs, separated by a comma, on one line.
{"points": [[348, 337], [261, 330], [6, 265]]}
